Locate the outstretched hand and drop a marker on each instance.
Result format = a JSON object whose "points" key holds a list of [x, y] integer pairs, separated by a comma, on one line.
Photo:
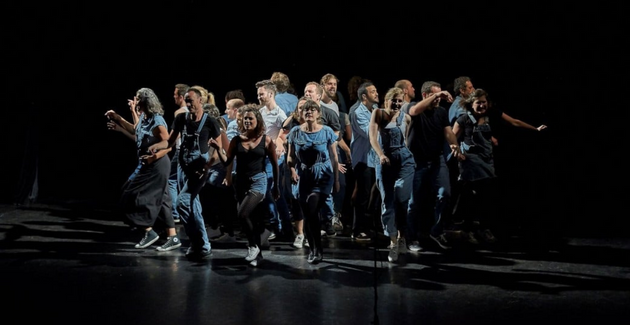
{"points": [[542, 127], [112, 115]]}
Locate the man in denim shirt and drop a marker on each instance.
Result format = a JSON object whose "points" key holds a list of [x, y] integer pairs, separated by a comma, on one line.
{"points": [[363, 159]]}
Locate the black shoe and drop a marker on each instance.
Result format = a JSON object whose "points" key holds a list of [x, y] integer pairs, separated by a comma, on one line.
{"points": [[172, 243], [361, 237], [318, 258], [149, 238], [441, 241], [311, 257], [205, 254]]}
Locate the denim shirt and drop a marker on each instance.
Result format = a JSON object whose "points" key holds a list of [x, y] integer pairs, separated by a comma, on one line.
{"points": [[144, 132], [287, 102], [455, 111], [360, 146], [232, 130]]}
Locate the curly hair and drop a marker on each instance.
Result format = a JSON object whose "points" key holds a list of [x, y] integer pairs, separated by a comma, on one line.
{"points": [[478, 93], [149, 100], [260, 122], [281, 81]]}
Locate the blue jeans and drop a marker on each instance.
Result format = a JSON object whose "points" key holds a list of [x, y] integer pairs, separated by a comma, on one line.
{"points": [[174, 185], [279, 209], [395, 183], [189, 209], [430, 185]]}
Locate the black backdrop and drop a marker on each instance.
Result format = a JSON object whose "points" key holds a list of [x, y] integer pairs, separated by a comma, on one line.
{"points": [[69, 63]]}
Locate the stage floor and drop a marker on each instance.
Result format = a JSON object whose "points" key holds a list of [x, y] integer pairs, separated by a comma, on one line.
{"points": [[77, 265]]}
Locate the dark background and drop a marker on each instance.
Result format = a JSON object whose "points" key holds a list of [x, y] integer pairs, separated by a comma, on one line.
{"points": [[70, 62]]}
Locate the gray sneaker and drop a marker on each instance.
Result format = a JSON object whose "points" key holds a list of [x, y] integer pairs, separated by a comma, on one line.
{"points": [[441, 241], [336, 222], [223, 238], [487, 236], [171, 243], [392, 257], [149, 238]]}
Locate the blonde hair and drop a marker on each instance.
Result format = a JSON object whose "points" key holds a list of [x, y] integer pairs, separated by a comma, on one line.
{"points": [[206, 96]]}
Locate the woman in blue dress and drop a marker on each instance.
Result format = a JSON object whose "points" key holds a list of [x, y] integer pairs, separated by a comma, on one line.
{"points": [[395, 168], [145, 197], [313, 162]]}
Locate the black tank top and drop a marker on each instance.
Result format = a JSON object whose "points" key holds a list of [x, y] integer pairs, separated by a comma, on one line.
{"points": [[250, 162]]}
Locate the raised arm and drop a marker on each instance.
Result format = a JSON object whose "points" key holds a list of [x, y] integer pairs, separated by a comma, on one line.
{"points": [[422, 105], [116, 118], [111, 125]]}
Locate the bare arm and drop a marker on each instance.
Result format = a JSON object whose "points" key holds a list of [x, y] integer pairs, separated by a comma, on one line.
{"points": [[226, 157], [457, 129], [422, 105], [292, 160], [520, 124], [116, 118], [111, 125], [452, 141], [332, 151], [273, 159], [159, 132], [346, 148], [373, 133]]}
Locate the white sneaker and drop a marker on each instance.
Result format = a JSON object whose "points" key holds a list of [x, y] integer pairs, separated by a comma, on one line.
{"points": [[299, 241], [252, 253], [415, 246], [393, 253], [257, 260]]}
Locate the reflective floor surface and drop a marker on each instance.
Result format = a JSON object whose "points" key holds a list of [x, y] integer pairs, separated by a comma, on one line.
{"points": [[74, 265]]}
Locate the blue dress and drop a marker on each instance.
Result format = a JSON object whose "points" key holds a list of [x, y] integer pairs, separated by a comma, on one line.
{"points": [[313, 166]]}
